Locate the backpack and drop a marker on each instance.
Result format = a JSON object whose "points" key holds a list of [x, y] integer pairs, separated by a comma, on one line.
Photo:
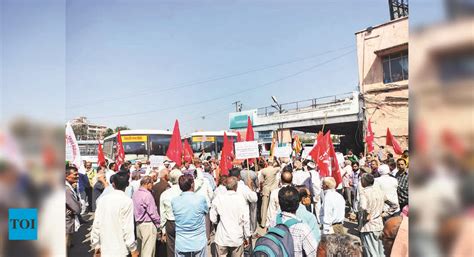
{"points": [[278, 241]]}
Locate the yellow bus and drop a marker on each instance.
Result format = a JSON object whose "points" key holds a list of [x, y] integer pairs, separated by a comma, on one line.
{"points": [[208, 143]]}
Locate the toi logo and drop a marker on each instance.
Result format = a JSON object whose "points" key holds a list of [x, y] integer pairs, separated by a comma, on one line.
{"points": [[22, 224]]}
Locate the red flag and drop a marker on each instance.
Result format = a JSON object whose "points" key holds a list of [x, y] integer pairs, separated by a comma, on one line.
{"points": [[175, 149], [100, 156], [324, 158], [314, 153], [239, 137], [249, 135], [225, 163], [369, 138], [335, 168], [187, 152], [393, 142], [120, 157]]}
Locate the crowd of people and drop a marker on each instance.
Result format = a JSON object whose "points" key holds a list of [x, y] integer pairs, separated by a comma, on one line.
{"points": [[198, 210]]}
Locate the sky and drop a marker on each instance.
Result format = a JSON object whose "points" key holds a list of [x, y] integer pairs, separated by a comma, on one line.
{"points": [[144, 64]]}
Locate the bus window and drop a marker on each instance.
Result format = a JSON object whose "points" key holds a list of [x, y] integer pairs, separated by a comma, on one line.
{"points": [[159, 144], [135, 148]]}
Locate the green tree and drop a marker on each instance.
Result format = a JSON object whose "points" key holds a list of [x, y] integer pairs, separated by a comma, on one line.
{"points": [[108, 132], [121, 128]]}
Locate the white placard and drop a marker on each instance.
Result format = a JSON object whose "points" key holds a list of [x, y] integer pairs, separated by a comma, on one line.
{"points": [[246, 150], [283, 151], [156, 161]]}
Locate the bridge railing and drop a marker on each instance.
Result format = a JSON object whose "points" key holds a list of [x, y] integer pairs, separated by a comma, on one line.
{"points": [[305, 104]]}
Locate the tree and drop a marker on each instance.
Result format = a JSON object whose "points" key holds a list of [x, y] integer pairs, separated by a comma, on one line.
{"points": [[108, 132], [121, 128]]}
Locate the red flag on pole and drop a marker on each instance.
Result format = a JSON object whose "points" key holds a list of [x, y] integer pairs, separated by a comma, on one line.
{"points": [[175, 149], [335, 168], [393, 142], [120, 157], [324, 158], [369, 138], [187, 152], [100, 156], [239, 137], [314, 153], [249, 136], [225, 163]]}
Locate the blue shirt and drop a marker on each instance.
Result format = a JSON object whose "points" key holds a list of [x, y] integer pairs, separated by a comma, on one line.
{"points": [[189, 210], [309, 219]]}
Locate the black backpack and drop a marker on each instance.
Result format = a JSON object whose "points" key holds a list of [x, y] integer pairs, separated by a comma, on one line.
{"points": [[278, 241]]}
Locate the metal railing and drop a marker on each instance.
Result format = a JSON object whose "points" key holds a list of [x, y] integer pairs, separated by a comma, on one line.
{"points": [[304, 104]]}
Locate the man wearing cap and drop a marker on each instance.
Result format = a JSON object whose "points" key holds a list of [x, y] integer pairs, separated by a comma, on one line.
{"points": [[388, 185]]}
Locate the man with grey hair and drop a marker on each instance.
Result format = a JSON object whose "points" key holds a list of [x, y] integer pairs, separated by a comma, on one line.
{"points": [[333, 208], [167, 224], [388, 185], [339, 245], [160, 187], [230, 211]]}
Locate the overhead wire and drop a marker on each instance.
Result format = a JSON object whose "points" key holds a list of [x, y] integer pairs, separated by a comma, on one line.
{"points": [[232, 94]]}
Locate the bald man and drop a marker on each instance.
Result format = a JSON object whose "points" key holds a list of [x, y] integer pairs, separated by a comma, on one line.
{"points": [[274, 205], [160, 187]]}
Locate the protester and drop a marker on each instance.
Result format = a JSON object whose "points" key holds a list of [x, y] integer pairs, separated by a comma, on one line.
{"points": [[91, 176], [303, 241], [99, 186], [110, 171], [371, 224], [112, 232], [221, 188], [333, 208], [167, 223], [73, 205], [402, 177], [392, 164], [336, 245], [381, 153], [146, 217], [160, 187], [351, 156], [229, 210], [307, 217], [316, 186], [274, 205], [388, 185], [134, 184], [268, 182], [374, 168], [299, 175], [355, 183], [189, 210], [83, 186], [207, 174], [249, 177], [346, 183]]}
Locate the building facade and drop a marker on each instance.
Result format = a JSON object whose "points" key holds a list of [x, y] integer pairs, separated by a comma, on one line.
{"points": [[382, 55], [84, 130]]}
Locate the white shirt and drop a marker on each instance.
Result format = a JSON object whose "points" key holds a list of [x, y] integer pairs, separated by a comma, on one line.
{"points": [[346, 176], [220, 190], [166, 211], [332, 211], [299, 177], [273, 206], [234, 224], [109, 174], [249, 195], [201, 186], [389, 186], [316, 180], [113, 228]]}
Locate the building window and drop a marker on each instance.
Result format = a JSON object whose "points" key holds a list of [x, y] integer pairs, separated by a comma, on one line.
{"points": [[395, 67]]}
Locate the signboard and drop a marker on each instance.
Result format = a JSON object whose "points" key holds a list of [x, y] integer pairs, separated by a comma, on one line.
{"points": [[246, 150], [283, 151], [203, 139], [239, 119], [134, 138], [156, 161]]}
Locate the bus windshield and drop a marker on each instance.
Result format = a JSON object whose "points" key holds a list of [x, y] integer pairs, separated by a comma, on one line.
{"points": [[135, 148], [159, 144]]}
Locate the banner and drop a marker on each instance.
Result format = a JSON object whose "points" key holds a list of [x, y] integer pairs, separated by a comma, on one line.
{"points": [[156, 161], [283, 151], [246, 150], [73, 155]]}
